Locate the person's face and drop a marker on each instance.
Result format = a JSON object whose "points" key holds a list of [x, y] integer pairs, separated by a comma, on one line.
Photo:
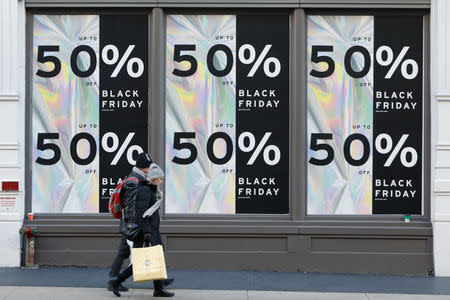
{"points": [[158, 181], [145, 170]]}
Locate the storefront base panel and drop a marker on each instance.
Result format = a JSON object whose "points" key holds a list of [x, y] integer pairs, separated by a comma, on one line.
{"points": [[390, 256], [399, 264], [364, 262], [398, 251]]}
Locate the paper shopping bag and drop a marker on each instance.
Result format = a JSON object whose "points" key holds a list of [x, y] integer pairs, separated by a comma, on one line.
{"points": [[148, 263]]}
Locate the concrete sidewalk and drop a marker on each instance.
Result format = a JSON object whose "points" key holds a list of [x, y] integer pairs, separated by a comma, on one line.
{"points": [[67, 293], [90, 283]]}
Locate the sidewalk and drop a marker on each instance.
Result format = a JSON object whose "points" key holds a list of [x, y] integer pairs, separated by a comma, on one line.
{"points": [[89, 283], [65, 293]]}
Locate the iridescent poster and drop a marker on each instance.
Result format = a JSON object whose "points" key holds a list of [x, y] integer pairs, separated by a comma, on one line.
{"points": [[364, 102], [85, 86], [226, 75], [63, 106]]}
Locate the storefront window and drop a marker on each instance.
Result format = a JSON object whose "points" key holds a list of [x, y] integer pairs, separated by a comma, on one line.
{"points": [[89, 108], [365, 107], [227, 114]]}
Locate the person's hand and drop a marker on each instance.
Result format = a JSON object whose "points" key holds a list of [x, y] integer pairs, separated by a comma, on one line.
{"points": [[147, 237]]}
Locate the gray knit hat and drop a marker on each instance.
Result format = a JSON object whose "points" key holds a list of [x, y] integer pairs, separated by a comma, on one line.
{"points": [[155, 172]]}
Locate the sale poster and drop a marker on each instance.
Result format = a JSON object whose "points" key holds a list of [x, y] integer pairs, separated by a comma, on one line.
{"points": [[227, 102], [365, 115], [227, 114], [89, 108]]}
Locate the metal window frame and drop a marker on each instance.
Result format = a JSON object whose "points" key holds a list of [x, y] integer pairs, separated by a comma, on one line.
{"points": [[234, 3], [426, 125], [160, 152], [296, 221], [29, 95]]}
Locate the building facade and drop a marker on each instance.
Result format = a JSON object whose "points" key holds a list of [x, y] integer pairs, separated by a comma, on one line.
{"points": [[295, 136]]}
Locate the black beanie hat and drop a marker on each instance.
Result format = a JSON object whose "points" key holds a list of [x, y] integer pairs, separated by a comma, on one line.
{"points": [[143, 161]]}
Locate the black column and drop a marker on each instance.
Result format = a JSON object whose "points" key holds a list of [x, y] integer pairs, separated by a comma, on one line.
{"points": [[397, 189], [262, 106], [123, 99]]}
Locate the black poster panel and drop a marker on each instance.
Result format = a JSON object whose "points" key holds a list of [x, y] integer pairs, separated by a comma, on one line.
{"points": [[262, 112], [123, 97], [397, 120]]}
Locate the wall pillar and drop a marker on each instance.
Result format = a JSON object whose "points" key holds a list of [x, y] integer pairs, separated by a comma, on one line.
{"points": [[440, 110], [12, 125]]}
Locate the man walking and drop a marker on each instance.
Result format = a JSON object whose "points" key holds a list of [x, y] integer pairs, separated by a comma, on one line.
{"points": [[127, 194]]}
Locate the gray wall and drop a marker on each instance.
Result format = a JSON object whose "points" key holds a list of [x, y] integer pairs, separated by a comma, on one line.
{"points": [[319, 246], [295, 242]]}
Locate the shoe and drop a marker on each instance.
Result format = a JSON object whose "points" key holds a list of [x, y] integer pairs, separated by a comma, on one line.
{"points": [[162, 293], [123, 288], [167, 281], [114, 286]]}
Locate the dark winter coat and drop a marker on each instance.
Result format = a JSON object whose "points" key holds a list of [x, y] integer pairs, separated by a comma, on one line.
{"points": [[146, 198], [129, 190]]}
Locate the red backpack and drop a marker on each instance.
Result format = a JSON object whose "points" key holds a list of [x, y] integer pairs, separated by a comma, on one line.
{"points": [[115, 201]]}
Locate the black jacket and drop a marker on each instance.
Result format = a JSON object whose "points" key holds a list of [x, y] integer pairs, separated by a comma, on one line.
{"points": [[127, 194], [145, 198]]}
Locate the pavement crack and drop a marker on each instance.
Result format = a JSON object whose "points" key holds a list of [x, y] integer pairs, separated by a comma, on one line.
{"points": [[10, 293], [367, 296], [131, 294]]}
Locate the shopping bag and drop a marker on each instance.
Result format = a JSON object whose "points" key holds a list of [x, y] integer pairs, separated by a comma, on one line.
{"points": [[148, 263]]}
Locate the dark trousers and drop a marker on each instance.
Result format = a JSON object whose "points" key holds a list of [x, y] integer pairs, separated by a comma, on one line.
{"points": [[122, 254], [125, 274]]}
